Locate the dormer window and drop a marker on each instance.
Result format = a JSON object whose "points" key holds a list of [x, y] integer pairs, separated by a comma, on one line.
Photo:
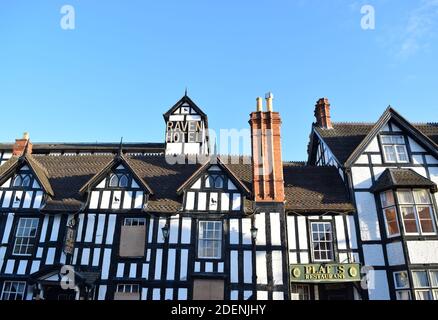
{"points": [[22, 180], [394, 149], [119, 181]]}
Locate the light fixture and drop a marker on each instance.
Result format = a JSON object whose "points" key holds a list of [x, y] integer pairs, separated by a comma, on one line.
{"points": [[254, 232], [165, 231]]}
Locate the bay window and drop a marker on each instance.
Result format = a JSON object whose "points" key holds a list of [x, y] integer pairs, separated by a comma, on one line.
{"points": [[417, 212], [390, 214]]}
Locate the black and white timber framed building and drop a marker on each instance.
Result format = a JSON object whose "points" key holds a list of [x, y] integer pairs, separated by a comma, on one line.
{"points": [[357, 220]]}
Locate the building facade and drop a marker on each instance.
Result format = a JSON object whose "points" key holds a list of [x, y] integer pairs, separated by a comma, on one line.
{"points": [[175, 221]]}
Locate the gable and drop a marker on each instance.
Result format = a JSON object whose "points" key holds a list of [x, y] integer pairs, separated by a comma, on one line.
{"points": [[118, 189], [21, 190]]}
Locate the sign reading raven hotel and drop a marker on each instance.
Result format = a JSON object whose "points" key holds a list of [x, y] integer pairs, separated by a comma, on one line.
{"points": [[184, 132], [325, 273]]}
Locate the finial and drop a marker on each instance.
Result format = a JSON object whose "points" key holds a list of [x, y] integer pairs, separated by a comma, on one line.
{"points": [[120, 153], [185, 93]]}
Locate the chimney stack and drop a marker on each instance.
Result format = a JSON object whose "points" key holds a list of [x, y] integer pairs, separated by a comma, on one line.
{"points": [[22, 146], [267, 163], [322, 114]]}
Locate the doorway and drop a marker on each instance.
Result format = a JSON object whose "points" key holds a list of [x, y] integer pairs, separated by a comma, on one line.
{"points": [[56, 293]]}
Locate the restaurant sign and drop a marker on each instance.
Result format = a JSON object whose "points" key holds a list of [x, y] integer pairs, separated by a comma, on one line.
{"points": [[322, 273]]}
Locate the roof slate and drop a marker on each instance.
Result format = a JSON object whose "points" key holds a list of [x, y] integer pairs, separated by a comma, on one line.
{"points": [[402, 178]]}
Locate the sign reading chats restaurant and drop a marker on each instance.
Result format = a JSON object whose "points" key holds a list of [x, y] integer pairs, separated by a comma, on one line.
{"points": [[325, 273], [184, 131]]}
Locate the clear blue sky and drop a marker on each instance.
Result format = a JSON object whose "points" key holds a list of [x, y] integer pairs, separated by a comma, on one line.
{"points": [[127, 62]]}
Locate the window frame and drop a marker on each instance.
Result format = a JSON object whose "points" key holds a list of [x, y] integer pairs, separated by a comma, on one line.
{"points": [[140, 222], [389, 207], [394, 147], [119, 176], [23, 294], [302, 285], [415, 207], [431, 289], [29, 238], [126, 285], [22, 177], [332, 241], [201, 239]]}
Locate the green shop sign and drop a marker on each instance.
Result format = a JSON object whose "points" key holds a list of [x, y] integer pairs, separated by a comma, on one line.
{"points": [[325, 273]]}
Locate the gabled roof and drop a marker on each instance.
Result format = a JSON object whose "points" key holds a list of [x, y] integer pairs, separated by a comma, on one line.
{"points": [[14, 163], [183, 100], [116, 161], [402, 178], [347, 141], [215, 160]]}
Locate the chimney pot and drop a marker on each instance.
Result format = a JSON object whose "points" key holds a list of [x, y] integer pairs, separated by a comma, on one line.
{"points": [[259, 104], [269, 98], [322, 113]]}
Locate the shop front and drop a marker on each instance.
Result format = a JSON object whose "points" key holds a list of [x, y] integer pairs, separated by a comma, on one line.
{"points": [[329, 281]]}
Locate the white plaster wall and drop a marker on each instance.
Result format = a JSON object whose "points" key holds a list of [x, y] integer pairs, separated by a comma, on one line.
{"points": [[361, 177], [423, 252], [373, 254], [395, 253], [378, 288], [367, 213], [415, 147], [373, 146]]}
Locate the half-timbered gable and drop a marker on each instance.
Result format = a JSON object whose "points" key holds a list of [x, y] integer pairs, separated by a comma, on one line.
{"points": [[391, 169], [186, 129]]}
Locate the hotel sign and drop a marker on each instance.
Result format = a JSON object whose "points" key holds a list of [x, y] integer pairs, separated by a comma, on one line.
{"points": [[184, 132], [323, 273]]}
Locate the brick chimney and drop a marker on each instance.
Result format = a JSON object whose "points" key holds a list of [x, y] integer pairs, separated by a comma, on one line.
{"points": [[267, 163], [22, 145], [322, 114]]}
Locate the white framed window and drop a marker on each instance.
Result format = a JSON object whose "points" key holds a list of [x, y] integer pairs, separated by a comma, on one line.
{"points": [[133, 222], [417, 212], [210, 240], [322, 241], [425, 284], [401, 284], [214, 181], [300, 292], [394, 148], [13, 290], [390, 214], [25, 236]]}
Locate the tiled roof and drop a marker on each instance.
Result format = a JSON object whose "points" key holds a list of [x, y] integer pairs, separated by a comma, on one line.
{"points": [[344, 138], [308, 189], [402, 178], [315, 189]]}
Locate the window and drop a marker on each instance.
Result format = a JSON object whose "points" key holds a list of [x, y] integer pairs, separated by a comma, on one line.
{"points": [[119, 181], [417, 212], [390, 213], [210, 240], [214, 181], [401, 284], [425, 284], [22, 180], [135, 222], [322, 241], [13, 290], [394, 149], [25, 236], [127, 292], [300, 292]]}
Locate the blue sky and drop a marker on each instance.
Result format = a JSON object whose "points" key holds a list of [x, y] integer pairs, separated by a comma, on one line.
{"points": [[128, 61]]}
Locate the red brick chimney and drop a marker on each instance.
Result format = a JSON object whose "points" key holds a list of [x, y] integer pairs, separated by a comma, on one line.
{"points": [[22, 145], [267, 163], [322, 114]]}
